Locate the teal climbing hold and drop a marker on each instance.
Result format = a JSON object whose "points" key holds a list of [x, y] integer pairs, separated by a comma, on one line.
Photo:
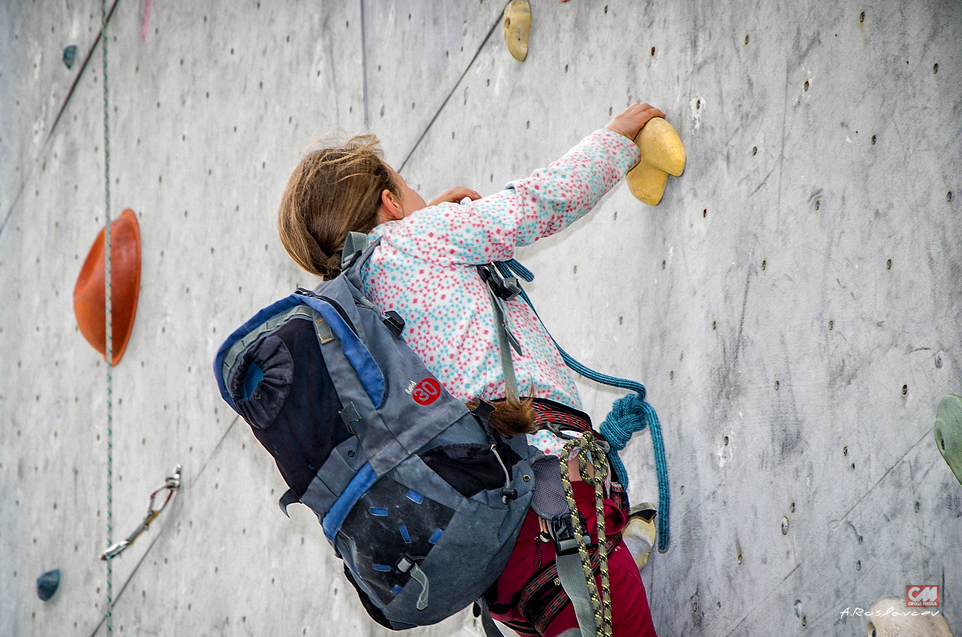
{"points": [[48, 583], [69, 55], [948, 432]]}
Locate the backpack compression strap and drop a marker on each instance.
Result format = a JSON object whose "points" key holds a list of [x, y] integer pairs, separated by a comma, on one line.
{"points": [[499, 289]]}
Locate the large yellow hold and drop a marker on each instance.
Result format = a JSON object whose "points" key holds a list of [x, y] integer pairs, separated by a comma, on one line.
{"points": [[662, 154]]}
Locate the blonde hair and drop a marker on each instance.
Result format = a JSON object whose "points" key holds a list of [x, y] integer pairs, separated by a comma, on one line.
{"points": [[332, 191]]}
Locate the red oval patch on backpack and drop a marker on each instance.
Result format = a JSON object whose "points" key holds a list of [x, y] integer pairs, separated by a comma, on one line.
{"points": [[426, 392]]}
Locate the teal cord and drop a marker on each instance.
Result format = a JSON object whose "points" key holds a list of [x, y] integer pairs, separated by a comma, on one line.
{"points": [[629, 414], [110, 332]]}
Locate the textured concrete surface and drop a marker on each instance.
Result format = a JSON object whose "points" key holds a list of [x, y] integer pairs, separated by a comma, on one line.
{"points": [[793, 305]]}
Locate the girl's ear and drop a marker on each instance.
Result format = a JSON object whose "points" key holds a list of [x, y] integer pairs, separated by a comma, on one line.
{"points": [[390, 208]]}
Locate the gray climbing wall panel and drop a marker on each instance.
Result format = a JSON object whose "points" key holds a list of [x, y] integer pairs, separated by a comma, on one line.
{"points": [[793, 305]]}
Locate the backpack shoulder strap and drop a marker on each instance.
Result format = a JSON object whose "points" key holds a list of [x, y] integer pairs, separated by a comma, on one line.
{"points": [[357, 250], [354, 244]]}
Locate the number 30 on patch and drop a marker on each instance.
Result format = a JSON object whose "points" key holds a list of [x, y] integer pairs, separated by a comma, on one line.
{"points": [[425, 392]]}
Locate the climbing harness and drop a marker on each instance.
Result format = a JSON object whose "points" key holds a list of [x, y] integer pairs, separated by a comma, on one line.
{"points": [[172, 485], [539, 602], [576, 573], [629, 414]]}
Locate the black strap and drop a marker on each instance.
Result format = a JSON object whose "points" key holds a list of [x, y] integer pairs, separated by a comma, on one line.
{"points": [[487, 622]]}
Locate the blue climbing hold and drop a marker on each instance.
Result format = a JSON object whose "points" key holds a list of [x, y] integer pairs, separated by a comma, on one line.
{"points": [[69, 55], [48, 583]]}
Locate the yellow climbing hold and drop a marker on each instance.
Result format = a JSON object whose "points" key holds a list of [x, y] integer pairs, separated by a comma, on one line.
{"points": [[517, 24], [891, 617], [639, 533], [662, 154]]}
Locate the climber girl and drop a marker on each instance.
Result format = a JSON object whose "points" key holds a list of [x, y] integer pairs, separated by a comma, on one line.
{"points": [[425, 269]]}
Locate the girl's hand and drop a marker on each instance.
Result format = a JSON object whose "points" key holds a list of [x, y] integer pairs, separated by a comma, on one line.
{"points": [[633, 119], [455, 195]]}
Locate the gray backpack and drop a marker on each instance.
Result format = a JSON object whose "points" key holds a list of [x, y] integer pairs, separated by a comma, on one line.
{"points": [[418, 496]]}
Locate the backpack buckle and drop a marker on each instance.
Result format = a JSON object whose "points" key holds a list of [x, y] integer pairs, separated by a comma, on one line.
{"points": [[562, 530], [393, 321], [503, 288]]}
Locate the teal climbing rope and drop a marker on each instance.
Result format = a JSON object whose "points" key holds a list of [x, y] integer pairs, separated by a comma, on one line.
{"points": [[109, 325], [629, 414]]}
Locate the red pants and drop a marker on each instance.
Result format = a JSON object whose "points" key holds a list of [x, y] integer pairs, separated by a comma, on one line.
{"points": [[629, 604]]}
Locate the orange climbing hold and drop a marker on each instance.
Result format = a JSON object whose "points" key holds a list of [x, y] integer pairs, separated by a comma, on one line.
{"points": [[89, 295]]}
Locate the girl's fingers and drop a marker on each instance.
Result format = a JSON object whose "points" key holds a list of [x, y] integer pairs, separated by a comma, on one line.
{"points": [[630, 122], [454, 195]]}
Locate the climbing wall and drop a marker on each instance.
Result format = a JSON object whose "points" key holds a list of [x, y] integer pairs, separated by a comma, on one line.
{"points": [[793, 305]]}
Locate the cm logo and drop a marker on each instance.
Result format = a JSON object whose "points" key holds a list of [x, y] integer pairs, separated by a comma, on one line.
{"points": [[922, 595], [426, 392]]}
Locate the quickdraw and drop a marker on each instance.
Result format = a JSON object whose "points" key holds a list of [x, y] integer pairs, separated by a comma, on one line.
{"points": [[172, 485]]}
